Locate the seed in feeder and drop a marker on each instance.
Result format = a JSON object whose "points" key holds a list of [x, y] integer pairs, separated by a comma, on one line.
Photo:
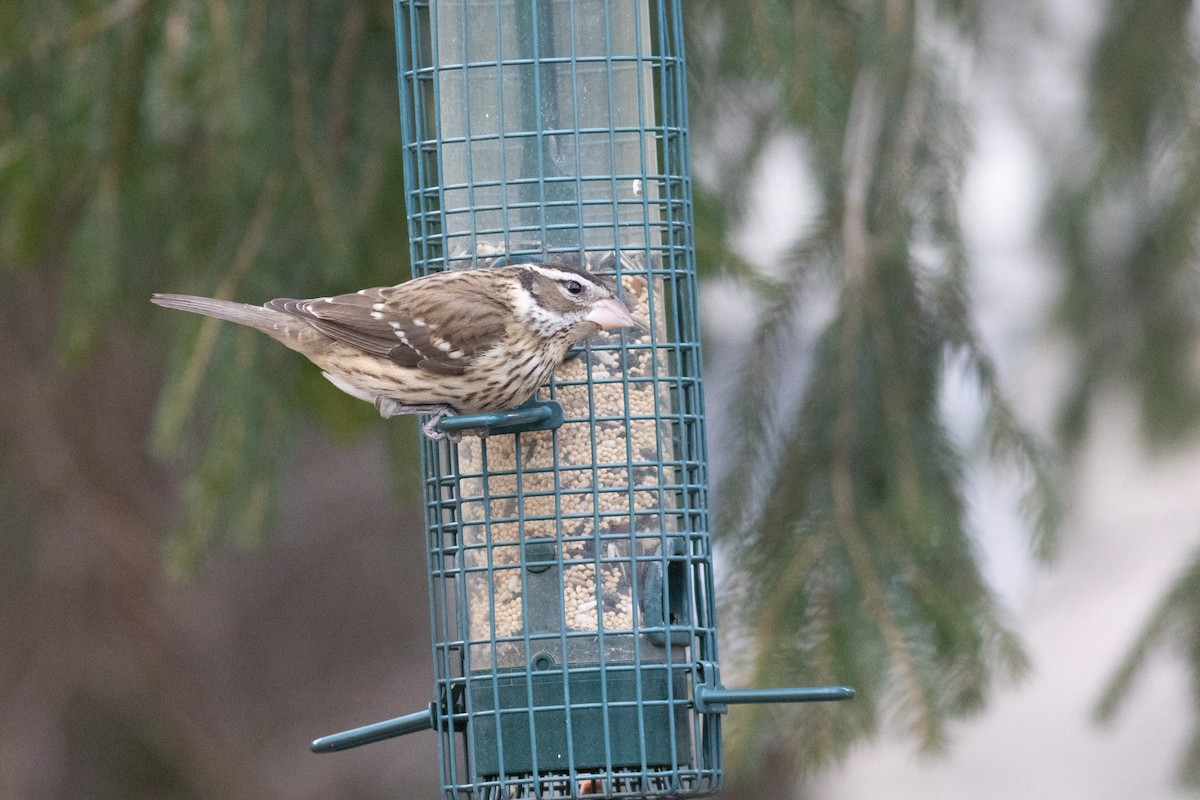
{"points": [[559, 490]]}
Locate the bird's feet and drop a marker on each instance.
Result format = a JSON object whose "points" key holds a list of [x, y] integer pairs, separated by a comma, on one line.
{"points": [[432, 431], [388, 407]]}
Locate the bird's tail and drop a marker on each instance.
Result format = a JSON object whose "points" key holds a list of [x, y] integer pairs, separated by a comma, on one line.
{"points": [[271, 322]]}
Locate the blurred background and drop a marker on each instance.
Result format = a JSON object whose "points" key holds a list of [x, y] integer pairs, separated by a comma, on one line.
{"points": [[951, 317]]}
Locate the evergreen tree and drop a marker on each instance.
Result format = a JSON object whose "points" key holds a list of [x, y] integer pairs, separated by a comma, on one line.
{"points": [[1131, 300], [843, 510], [240, 150]]}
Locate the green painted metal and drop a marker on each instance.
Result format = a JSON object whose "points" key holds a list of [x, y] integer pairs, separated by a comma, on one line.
{"points": [[715, 700], [630, 699], [570, 569], [569, 555], [535, 415], [377, 732]]}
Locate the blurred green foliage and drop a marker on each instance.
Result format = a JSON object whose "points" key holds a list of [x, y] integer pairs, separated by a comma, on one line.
{"points": [[1127, 226], [244, 150], [1125, 218], [843, 509]]}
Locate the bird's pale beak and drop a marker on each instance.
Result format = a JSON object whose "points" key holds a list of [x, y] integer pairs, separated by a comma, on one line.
{"points": [[610, 314]]}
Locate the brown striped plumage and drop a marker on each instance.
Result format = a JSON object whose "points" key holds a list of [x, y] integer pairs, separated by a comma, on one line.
{"points": [[453, 342]]}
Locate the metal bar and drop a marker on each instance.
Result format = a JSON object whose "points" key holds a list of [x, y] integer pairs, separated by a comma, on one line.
{"points": [[375, 732], [540, 415], [712, 700]]}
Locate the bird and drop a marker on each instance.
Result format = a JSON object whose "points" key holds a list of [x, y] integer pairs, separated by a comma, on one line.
{"points": [[465, 341]]}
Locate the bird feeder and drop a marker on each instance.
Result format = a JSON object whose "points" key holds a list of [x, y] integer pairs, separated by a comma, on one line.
{"points": [[569, 555]]}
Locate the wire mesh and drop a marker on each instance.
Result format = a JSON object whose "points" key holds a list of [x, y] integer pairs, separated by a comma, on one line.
{"points": [[570, 570]]}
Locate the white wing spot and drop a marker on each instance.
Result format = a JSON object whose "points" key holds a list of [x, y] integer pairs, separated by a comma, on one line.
{"points": [[327, 299], [395, 325], [457, 354], [420, 323], [362, 291], [378, 307], [444, 347], [376, 315]]}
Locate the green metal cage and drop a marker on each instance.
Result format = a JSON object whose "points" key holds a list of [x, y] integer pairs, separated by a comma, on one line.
{"points": [[570, 564]]}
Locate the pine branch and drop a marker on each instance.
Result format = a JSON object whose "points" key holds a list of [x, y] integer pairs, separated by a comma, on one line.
{"points": [[145, 155], [1178, 612], [755, 453], [1127, 222], [852, 558]]}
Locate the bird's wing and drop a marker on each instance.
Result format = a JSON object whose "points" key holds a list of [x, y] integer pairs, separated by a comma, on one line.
{"points": [[437, 328]]}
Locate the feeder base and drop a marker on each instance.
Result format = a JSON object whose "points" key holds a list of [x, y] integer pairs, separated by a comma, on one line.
{"points": [[639, 729]]}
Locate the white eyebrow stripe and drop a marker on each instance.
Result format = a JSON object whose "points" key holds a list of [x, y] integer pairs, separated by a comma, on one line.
{"points": [[558, 273]]}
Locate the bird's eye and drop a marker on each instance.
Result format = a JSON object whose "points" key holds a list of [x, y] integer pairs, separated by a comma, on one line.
{"points": [[574, 287]]}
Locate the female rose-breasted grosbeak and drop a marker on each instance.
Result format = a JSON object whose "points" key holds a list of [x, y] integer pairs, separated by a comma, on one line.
{"points": [[457, 342]]}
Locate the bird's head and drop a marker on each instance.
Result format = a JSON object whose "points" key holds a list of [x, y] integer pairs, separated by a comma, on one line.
{"points": [[554, 298]]}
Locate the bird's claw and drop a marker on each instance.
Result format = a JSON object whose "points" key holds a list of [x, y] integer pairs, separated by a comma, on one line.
{"points": [[388, 407], [433, 433]]}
